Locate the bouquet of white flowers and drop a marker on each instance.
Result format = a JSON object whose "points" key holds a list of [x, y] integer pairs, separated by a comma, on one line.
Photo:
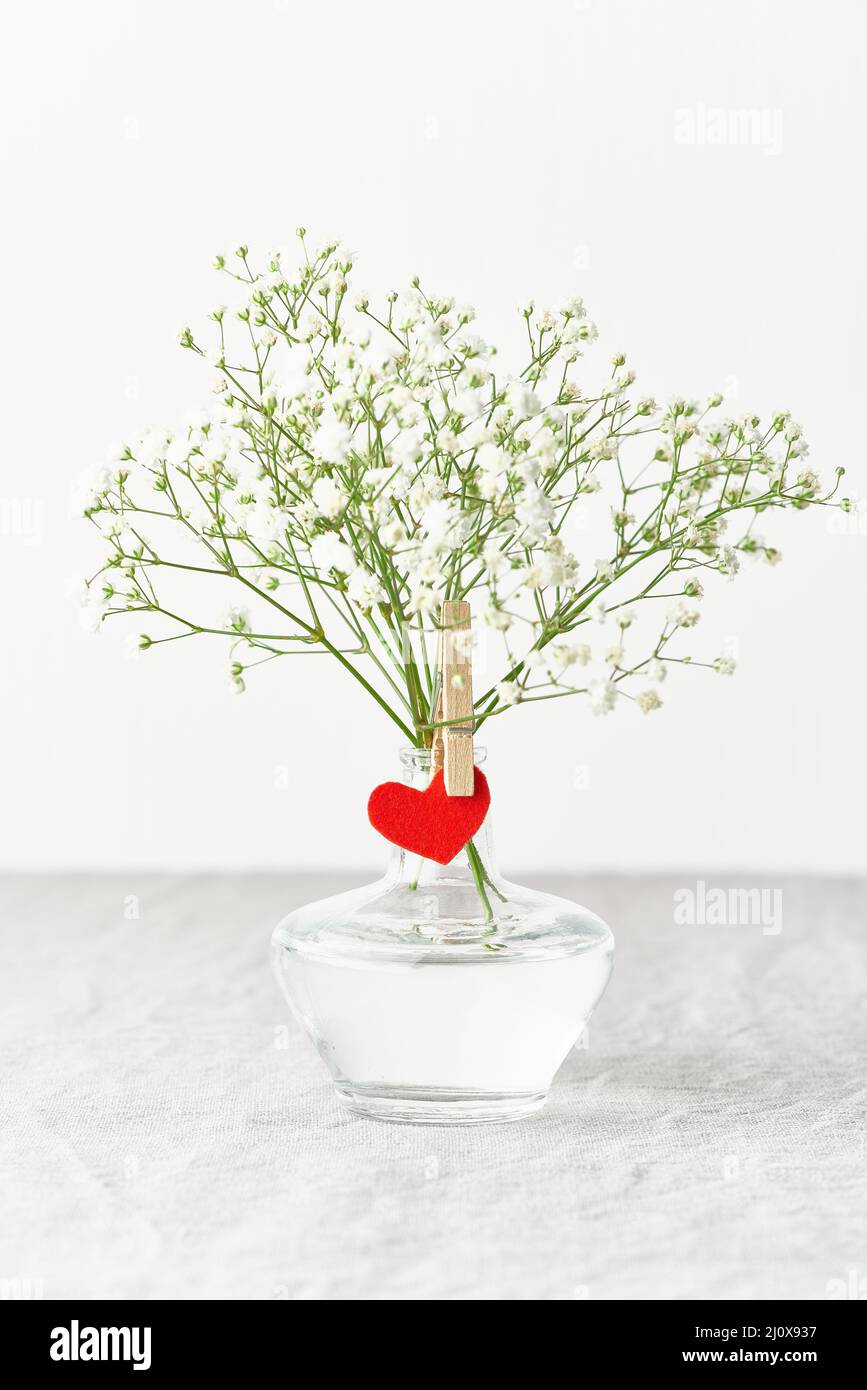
{"points": [[357, 468]]}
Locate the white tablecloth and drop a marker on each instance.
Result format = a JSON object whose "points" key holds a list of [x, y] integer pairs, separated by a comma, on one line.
{"points": [[168, 1132]]}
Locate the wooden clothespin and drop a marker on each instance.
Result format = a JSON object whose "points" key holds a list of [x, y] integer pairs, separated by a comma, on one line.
{"points": [[453, 743]]}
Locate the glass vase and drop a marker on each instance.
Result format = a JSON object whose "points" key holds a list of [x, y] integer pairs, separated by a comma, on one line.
{"points": [[443, 993]]}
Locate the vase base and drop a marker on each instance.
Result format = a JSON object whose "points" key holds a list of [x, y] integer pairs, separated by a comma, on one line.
{"points": [[433, 1105]]}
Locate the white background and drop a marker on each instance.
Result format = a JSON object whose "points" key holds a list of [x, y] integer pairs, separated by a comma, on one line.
{"points": [[501, 150]]}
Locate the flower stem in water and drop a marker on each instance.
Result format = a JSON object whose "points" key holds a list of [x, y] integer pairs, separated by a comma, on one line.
{"points": [[477, 869]]}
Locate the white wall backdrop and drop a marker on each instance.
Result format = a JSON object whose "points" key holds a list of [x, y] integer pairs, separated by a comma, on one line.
{"points": [[695, 171]]}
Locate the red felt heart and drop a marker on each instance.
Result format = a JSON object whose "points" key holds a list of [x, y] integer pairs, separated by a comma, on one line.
{"points": [[429, 823]]}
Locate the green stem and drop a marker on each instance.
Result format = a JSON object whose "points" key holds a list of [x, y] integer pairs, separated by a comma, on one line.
{"points": [[477, 868], [417, 875]]}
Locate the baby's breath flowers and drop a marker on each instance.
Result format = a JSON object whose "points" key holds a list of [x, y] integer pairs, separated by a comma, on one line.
{"points": [[357, 466]]}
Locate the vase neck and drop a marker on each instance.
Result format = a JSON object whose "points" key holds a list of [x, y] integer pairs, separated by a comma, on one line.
{"points": [[418, 768]]}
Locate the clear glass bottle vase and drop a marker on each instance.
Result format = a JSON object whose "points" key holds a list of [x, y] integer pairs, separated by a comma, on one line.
{"points": [[443, 994]]}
